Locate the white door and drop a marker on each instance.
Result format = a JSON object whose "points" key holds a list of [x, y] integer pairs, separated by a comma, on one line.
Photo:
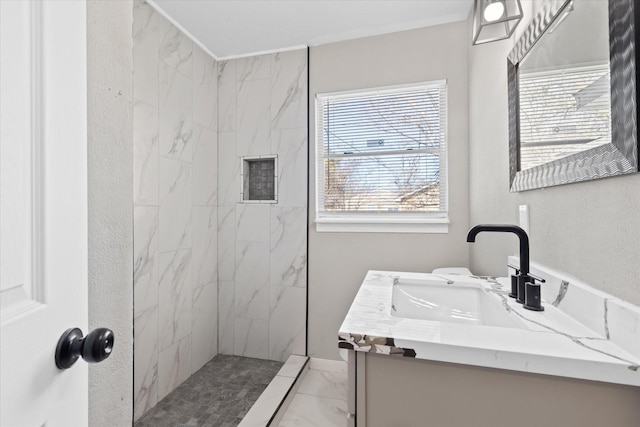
{"points": [[43, 209]]}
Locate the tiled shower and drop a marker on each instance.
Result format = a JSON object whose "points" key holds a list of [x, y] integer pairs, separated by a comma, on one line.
{"points": [[214, 273]]}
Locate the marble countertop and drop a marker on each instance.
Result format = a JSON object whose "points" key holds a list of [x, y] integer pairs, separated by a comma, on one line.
{"points": [[553, 342]]}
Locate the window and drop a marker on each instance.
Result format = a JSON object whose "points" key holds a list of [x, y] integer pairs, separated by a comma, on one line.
{"points": [[382, 159]]}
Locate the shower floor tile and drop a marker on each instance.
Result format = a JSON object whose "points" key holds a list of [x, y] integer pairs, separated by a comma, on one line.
{"points": [[218, 395]]}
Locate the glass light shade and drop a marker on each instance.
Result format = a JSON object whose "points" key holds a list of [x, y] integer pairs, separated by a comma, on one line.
{"points": [[493, 11], [495, 19]]}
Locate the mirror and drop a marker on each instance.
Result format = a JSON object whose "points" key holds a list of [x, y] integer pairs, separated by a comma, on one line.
{"points": [[572, 95]]}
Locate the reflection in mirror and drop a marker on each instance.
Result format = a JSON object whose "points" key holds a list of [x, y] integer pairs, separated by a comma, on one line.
{"points": [[572, 78], [564, 86]]}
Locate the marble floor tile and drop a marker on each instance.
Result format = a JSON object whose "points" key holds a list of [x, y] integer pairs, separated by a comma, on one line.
{"points": [[325, 383], [292, 366], [314, 411]]}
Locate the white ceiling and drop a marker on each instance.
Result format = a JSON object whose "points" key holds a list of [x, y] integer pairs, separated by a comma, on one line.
{"points": [[231, 28]]}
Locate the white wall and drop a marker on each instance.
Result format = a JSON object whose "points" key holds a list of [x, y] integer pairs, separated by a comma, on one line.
{"points": [[262, 259], [590, 230], [110, 173], [339, 261], [175, 214]]}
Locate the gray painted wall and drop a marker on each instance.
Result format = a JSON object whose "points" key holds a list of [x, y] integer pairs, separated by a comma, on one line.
{"points": [[339, 261], [110, 171], [590, 230]]}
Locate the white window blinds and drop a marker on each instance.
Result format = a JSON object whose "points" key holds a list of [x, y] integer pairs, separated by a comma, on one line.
{"points": [[382, 151]]}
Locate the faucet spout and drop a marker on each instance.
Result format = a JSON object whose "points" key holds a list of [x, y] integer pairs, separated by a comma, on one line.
{"points": [[506, 228]]}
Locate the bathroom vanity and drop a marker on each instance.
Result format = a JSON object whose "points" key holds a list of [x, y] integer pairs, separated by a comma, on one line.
{"points": [[453, 350]]}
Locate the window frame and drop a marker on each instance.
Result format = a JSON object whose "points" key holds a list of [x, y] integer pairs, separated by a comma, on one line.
{"points": [[381, 222]]}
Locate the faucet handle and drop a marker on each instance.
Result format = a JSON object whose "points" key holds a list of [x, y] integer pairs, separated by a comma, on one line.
{"points": [[533, 276], [514, 285], [532, 297], [539, 279]]}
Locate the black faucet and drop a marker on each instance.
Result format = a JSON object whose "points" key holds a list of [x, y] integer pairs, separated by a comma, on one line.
{"points": [[524, 286]]}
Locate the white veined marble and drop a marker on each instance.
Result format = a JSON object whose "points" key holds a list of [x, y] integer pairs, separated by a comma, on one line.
{"points": [[226, 317], [227, 96], [228, 170], [252, 222], [145, 258], [287, 322], [314, 411], [145, 154], [251, 338], [265, 249], [145, 361], [176, 114], [205, 166], [252, 280], [253, 68], [226, 242], [289, 89], [551, 342], [176, 49], [205, 245], [253, 117], [205, 89], [292, 366], [175, 205], [175, 197], [174, 366], [204, 337], [288, 260], [175, 297], [291, 147], [145, 53]]}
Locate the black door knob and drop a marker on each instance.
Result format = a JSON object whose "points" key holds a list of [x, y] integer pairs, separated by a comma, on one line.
{"points": [[93, 348]]}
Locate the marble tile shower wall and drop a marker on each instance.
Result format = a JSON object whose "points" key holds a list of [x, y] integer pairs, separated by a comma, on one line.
{"points": [[175, 207], [262, 261]]}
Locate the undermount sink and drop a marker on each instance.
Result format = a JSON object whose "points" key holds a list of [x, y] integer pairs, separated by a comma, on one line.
{"points": [[450, 300]]}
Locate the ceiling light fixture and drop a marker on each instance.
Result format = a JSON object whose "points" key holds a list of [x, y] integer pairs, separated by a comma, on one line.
{"points": [[495, 19], [493, 11]]}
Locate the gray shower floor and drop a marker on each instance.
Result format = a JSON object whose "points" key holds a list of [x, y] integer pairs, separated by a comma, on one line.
{"points": [[218, 395]]}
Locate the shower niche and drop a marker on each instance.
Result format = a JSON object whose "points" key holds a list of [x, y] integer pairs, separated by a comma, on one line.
{"points": [[259, 179]]}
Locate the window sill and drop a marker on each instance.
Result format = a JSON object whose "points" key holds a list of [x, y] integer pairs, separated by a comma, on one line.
{"points": [[382, 225]]}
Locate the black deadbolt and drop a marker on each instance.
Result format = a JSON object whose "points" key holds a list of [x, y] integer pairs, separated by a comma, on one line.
{"points": [[93, 348]]}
